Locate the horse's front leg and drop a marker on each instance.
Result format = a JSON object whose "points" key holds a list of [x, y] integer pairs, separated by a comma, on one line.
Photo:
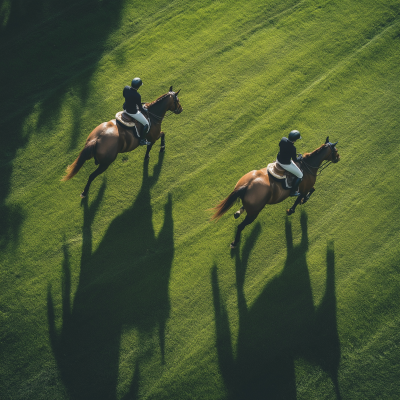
{"points": [[307, 197], [162, 147], [149, 146], [162, 136], [296, 203]]}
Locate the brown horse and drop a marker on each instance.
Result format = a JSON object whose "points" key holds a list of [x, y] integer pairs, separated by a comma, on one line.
{"points": [[110, 138], [256, 188]]}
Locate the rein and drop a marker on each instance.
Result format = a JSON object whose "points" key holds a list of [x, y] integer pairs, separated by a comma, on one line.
{"points": [[320, 168], [159, 119]]}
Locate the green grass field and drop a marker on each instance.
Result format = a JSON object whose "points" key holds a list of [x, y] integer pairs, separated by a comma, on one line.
{"points": [[133, 293]]}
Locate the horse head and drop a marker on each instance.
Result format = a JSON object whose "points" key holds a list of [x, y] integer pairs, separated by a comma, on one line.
{"points": [[175, 106], [335, 157]]}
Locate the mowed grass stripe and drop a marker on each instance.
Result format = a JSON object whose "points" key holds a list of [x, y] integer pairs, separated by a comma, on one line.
{"points": [[342, 104], [259, 128]]}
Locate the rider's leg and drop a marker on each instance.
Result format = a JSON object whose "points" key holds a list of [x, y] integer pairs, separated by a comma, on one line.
{"points": [[143, 134], [295, 186], [142, 119], [295, 170]]}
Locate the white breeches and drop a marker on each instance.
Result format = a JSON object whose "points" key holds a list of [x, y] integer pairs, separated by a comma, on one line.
{"points": [[139, 117], [292, 167]]}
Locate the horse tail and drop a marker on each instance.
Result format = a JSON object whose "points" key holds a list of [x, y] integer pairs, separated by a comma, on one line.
{"points": [[222, 207], [86, 154]]}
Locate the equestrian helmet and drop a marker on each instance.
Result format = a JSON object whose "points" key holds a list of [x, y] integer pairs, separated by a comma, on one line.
{"points": [[136, 83], [294, 135]]}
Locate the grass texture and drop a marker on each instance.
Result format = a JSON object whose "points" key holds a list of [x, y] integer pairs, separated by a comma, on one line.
{"points": [[133, 293]]}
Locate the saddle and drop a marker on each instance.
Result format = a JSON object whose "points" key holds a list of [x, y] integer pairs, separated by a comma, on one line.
{"points": [[125, 120], [277, 173]]}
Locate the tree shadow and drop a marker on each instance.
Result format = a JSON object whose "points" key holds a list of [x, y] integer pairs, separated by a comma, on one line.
{"points": [[122, 284], [282, 325], [50, 49]]}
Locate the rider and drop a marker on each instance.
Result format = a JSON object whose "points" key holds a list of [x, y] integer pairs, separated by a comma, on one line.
{"points": [[287, 155], [133, 107]]}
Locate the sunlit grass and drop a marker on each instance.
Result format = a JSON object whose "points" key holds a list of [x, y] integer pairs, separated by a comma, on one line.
{"points": [[134, 291]]}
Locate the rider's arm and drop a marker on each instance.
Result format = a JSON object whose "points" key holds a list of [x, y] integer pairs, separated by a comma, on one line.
{"points": [[139, 103], [294, 154], [125, 91]]}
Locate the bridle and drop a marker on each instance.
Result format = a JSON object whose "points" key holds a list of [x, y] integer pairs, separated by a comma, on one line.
{"points": [[323, 165], [176, 111]]}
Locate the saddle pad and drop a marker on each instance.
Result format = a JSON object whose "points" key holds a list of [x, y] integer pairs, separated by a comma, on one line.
{"points": [[276, 171], [125, 119]]}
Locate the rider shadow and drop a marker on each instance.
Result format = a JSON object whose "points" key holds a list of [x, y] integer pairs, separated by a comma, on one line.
{"points": [[281, 326], [123, 285], [64, 63], [47, 68]]}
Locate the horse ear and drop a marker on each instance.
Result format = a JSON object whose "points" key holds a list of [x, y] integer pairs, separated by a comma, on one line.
{"points": [[176, 94], [327, 139], [170, 89], [334, 144]]}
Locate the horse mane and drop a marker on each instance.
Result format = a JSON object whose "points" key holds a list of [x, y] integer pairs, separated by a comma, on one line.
{"points": [[316, 151], [163, 96]]}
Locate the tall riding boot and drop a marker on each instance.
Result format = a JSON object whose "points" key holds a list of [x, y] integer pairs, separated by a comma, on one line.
{"points": [[143, 141], [296, 183]]}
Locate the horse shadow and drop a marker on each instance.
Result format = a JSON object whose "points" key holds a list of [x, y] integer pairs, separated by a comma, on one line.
{"points": [[122, 285], [51, 75], [281, 326]]}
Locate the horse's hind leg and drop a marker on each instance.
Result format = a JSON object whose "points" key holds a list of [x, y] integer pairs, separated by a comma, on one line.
{"points": [[99, 170], [248, 220], [238, 213]]}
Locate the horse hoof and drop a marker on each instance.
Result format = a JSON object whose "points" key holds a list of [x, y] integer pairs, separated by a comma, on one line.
{"points": [[162, 149], [289, 212], [236, 215], [83, 195], [232, 245]]}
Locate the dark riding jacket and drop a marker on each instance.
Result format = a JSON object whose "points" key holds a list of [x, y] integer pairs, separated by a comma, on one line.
{"points": [[287, 151], [133, 100]]}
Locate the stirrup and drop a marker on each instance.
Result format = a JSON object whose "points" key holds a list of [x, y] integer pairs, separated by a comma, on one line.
{"points": [[143, 142], [295, 194]]}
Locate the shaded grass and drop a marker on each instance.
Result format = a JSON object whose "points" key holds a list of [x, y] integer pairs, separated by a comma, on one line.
{"points": [[133, 293]]}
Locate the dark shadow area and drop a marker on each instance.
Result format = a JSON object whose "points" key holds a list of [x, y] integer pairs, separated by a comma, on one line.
{"points": [[123, 284], [49, 48], [281, 326]]}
